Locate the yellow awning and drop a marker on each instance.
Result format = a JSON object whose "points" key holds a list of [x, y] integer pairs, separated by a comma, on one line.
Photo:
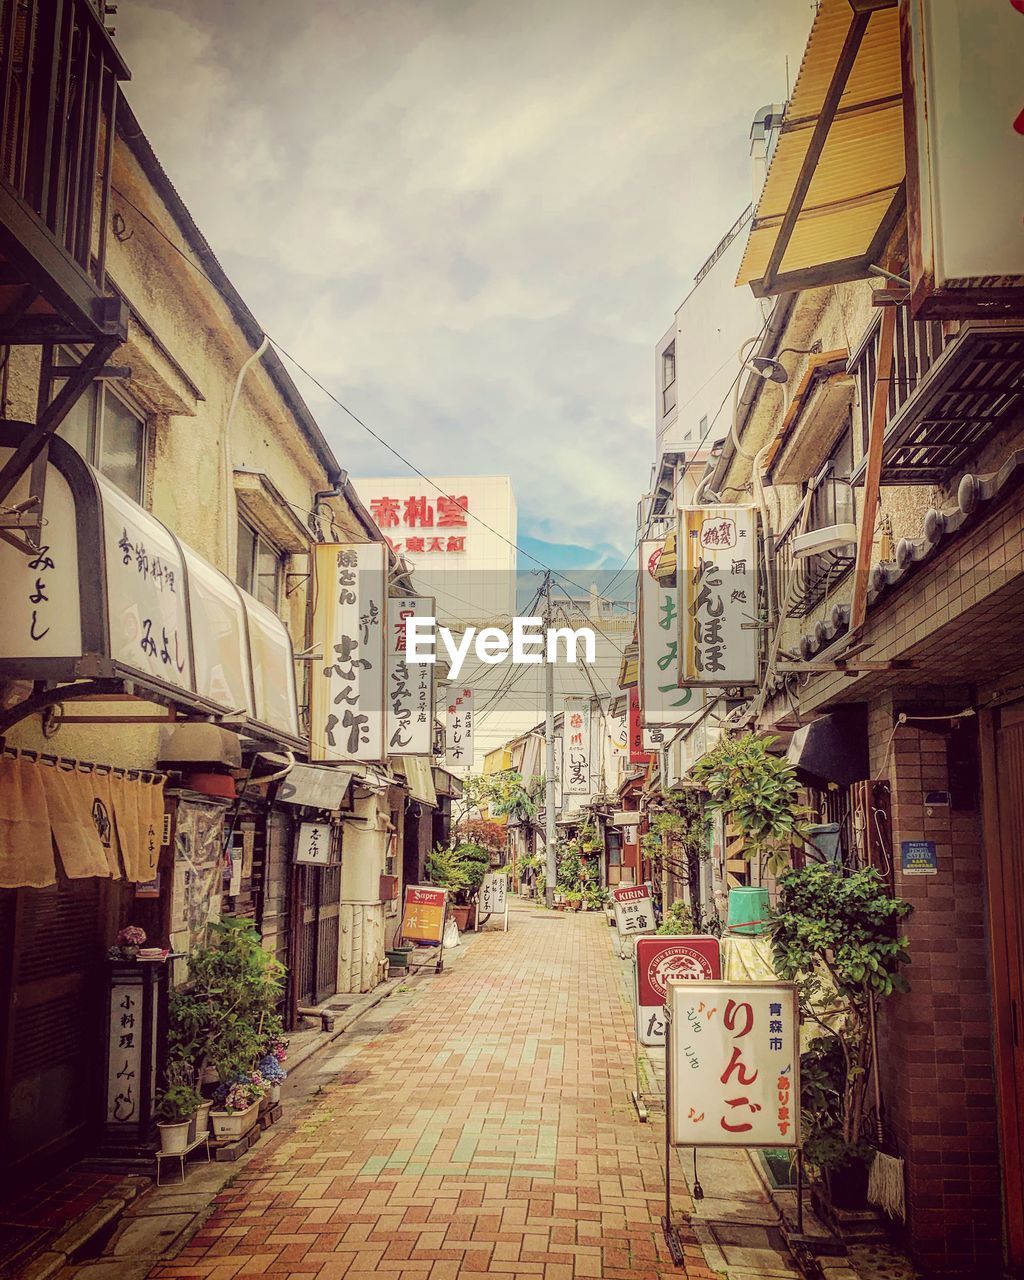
{"points": [[835, 184], [665, 569], [629, 665]]}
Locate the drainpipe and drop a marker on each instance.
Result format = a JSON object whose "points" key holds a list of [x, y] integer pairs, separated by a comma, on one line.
{"points": [[230, 523], [337, 481]]}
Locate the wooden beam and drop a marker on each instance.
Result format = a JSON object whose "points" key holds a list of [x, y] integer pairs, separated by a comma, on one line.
{"points": [[837, 85], [873, 470]]}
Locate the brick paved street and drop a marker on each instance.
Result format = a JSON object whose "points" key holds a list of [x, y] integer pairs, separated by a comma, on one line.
{"points": [[485, 1129]]}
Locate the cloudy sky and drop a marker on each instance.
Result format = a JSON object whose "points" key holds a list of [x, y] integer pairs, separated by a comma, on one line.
{"points": [[471, 219]]}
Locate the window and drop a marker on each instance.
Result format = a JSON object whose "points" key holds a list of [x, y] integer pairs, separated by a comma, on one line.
{"points": [[104, 428], [668, 378], [833, 498], [260, 567]]}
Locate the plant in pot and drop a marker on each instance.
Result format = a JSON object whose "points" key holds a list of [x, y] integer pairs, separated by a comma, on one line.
{"points": [[177, 1106], [273, 1075], [837, 936], [595, 898], [236, 1104], [573, 899]]}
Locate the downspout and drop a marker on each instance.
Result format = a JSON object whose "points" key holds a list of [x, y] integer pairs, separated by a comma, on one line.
{"points": [[230, 523]]}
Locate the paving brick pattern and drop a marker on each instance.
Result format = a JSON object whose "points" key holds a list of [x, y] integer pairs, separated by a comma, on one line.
{"points": [[486, 1130]]}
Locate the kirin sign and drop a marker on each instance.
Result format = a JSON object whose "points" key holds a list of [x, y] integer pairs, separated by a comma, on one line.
{"points": [[665, 958]]}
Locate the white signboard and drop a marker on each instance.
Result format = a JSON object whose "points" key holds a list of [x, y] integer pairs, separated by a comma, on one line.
{"points": [[663, 958], [494, 896], [458, 736], [319, 788], [313, 844], [347, 714], [410, 691], [124, 1053], [717, 575], [634, 911], [616, 746], [735, 1063], [663, 702], [576, 747]]}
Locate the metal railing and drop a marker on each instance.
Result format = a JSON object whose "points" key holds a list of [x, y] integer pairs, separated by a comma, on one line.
{"points": [[58, 85], [802, 582]]}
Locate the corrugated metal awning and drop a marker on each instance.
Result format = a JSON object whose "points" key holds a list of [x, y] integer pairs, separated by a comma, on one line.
{"points": [[835, 185]]}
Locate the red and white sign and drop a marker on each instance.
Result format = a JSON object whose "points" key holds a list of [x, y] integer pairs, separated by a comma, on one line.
{"points": [[423, 918], [426, 522], [637, 754], [697, 958], [458, 736], [734, 1057], [634, 910]]}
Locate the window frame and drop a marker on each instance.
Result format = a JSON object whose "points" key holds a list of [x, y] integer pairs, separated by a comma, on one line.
{"points": [[96, 394], [250, 586]]}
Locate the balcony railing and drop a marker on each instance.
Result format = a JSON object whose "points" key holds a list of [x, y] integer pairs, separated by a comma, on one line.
{"points": [[949, 393], [58, 80], [802, 582]]}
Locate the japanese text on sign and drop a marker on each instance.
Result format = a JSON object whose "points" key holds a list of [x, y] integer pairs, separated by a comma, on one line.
{"points": [[718, 607], [410, 686], [437, 516], [665, 958], [313, 844], [735, 1064], [663, 701], [423, 917], [576, 747], [458, 738], [634, 910], [124, 1053]]}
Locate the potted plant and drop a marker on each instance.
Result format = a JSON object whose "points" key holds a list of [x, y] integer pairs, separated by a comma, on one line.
{"points": [[273, 1076], [837, 936], [129, 942], [678, 919], [573, 900], [595, 898], [177, 1106], [236, 1105]]}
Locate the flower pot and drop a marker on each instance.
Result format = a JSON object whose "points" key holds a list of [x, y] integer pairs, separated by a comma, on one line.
{"points": [[174, 1137], [397, 958], [232, 1124], [209, 1075], [275, 1094], [264, 1104], [461, 915], [203, 1118]]}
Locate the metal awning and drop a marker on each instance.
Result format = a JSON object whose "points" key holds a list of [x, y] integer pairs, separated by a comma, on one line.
{"points": [[835, 184], [113, 602]]}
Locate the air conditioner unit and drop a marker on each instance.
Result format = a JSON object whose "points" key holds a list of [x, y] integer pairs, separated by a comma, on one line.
{"points": [[830, 538]]}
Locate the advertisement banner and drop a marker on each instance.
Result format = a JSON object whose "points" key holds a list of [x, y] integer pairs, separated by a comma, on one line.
{"points": [[679, 957], [458, 734], [423, 917], [718, 635], [637, 754], [663, 701], [347, 713], [576, 765], [735, 1063], [410, 685]]}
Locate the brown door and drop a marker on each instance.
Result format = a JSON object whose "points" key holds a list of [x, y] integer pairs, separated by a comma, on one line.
{"points": [[319, 934], [52, 1020], [1003, 737]]}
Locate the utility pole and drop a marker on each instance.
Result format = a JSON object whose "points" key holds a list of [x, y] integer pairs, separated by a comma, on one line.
{"points": [[549, 765]]}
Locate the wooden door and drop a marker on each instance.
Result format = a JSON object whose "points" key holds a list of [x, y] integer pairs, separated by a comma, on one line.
{"points": [[1003, 764]]}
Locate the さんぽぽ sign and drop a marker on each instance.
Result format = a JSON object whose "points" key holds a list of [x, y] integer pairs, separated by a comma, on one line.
{"points": [[717, 582], [423, 918], [734, 1057], [660, 959]]}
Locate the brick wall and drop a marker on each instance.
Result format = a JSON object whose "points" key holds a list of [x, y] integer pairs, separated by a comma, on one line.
{"points": [[936, 1042]]}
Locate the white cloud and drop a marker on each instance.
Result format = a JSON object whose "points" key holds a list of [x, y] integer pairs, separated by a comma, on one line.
{"points": [[473, 220]]}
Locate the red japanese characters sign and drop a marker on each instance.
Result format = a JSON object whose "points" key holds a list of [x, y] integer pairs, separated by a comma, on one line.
{"points": [[658, 959], [735, 1061], [423, 918], [426, 522]]}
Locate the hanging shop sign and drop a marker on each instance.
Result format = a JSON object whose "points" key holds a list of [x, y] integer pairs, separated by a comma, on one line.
{"points": [[315, 787], [494, 896], [693, 959], [313, 844], [663, 701], [424, 914], [410, 685], [137, 604], [576, 747], [616, 744], [634, 910], [458, 738], [637, 754], [347, 710], [734, 1063], [717, 577]]}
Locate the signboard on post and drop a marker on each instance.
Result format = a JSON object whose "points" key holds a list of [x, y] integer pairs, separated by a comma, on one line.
{"points": [[410, 685], [494, 896], [663, 701], [634, 911], [717, 576], [458, 737], [313, 844], [576, 747], [424, 915], [347, 715], [679, 958], [734, 1064]]}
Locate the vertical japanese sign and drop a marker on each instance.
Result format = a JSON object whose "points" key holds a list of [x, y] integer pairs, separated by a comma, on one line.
{"points": [[634, 910], [313, 844], [494, 896], [693, 959], [735, 1064], [347, 710], [717, 559], [576, 747], [458, 733], [124, 1053], [423, 917], [663, 701], [616, 745], [637, 754], [410, 691]]}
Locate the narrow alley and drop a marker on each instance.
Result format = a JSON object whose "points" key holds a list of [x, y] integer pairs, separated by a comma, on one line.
{"points": [[485, 1129]]}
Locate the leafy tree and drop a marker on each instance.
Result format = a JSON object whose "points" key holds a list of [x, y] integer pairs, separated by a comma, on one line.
{"points": [[757, 793], [678, 840], [491, 835], [837, 936]]}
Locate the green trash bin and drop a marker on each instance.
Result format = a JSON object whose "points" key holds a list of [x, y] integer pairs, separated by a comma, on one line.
{"points": [[748, 910]]}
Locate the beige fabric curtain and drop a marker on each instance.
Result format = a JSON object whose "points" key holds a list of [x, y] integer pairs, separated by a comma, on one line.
{"points": [[69, 798], [26, 846], [139, 813], [103, 816]]}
